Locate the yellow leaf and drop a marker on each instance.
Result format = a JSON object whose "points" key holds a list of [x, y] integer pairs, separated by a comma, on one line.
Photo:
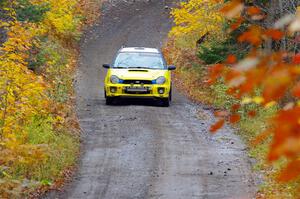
{"points": [[247, 100], [258, 100], [270, 104]]}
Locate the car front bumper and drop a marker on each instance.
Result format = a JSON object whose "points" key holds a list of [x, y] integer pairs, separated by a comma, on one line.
{"points": [[136, 91]]}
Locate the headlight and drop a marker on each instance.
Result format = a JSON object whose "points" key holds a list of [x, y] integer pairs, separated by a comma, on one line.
{"points": [[161, 80], [114, 79]]}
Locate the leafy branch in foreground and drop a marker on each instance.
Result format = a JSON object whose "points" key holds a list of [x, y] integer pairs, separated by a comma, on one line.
{"points": [[265, 77]]}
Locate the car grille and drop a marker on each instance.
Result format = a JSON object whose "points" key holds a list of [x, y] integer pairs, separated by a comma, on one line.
{"points": [[137, 82], [137, 92]]}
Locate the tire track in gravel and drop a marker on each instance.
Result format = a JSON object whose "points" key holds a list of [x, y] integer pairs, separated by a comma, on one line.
{"points": [[136, 149]]}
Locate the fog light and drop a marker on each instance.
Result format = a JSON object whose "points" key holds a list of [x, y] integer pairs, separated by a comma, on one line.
{"points": [[113, 89], [161, 90]]}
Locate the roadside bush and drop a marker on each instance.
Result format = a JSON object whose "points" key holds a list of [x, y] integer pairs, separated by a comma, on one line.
{"points": [[216, 51], [26, 11]]}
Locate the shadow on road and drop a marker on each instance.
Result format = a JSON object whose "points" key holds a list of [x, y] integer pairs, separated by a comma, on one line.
{"points": [[137, 102]]}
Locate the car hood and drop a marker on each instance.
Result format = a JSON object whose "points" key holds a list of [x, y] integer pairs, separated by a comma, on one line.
{"points": [[145, 74]]}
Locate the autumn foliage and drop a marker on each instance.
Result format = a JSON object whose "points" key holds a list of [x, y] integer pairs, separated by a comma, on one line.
{"points": [[254, 48], [36, 65], [197, 18], [266, 77]]}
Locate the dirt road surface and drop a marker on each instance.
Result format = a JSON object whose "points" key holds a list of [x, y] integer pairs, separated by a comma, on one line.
{"points": [[136, 149]]}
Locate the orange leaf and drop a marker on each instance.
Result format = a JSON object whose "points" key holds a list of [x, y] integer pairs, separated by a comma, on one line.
{"points": [[276, 84], [221, 113], [215, 127], [237, 23], [231, 59], [260, 138], [296, 59], [215, 71], [232, 74], [232, 9], [292, 171], [286, 139], [296, 90], [230, 91], [235, 107], [274, 34], [252, 36], [253, 10], [252, 113], [234, 118]]}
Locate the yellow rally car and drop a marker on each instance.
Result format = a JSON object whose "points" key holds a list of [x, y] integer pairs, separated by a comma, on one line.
{"points": [[138, 72]]}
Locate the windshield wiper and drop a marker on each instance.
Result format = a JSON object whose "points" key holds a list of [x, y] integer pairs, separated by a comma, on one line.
{"points": [[120, 67], [141, 67]]}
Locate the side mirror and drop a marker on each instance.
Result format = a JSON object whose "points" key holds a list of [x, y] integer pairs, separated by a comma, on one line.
{"points": [[106, 66], [171, 67]]}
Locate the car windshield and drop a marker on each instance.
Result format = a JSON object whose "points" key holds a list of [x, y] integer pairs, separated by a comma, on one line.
{"points": [[139, 60]]}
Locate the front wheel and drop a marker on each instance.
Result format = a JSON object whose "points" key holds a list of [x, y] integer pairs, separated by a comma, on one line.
{"points": [[165, 102], [109, 100]]}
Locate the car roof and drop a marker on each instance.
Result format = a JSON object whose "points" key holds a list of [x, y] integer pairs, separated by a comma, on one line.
{"points": [[139, 49]]}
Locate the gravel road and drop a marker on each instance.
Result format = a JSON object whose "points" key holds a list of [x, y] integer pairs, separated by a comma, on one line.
{"points": [[137, 150]]}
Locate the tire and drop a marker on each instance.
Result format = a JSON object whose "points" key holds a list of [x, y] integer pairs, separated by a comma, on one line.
{"points": [[109, 100], [166, 102]]}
